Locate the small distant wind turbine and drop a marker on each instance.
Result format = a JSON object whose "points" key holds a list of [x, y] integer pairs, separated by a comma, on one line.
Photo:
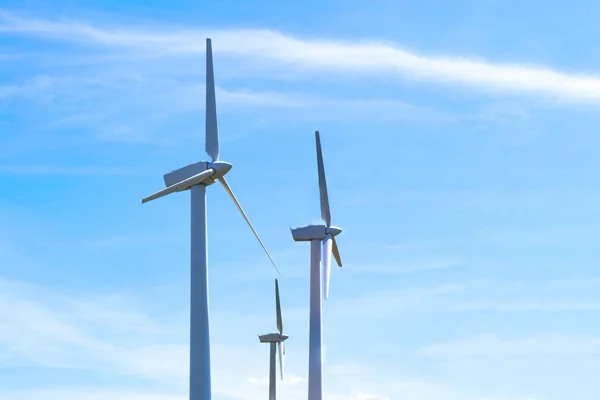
{"points": [[276, 340], [196, 177], [318, 235]]}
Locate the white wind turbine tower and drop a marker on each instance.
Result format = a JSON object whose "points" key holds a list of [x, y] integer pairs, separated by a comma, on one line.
{"points": [[196, 177], [318, 235], [276, 341]]}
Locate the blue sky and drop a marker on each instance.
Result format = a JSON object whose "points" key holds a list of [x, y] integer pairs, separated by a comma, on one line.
{"points": [[460, 152]]}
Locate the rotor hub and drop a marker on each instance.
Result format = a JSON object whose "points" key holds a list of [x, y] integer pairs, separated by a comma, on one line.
{"points": [[333, 230], [220, 167]]}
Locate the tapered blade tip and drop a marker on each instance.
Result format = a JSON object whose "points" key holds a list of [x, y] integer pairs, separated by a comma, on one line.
{"points": [[238, 205], [323, 196]]}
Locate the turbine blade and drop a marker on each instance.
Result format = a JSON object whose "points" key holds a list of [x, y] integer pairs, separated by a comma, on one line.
{"points": [[212, 131], [237, 203], [278, 308], [325, 212], [336, 253], [326, 264], [179, 186], [281, 351]]}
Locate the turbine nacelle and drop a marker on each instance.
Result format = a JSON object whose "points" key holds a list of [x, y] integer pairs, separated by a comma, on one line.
{"points": [[219, 169], [314, 232], [181, 174], [272, 338]]}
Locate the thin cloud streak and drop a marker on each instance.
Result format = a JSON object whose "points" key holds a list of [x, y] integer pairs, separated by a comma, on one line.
{"points": [[186, 96], [115, 98], [91, 393], [37, 170], [472, 297], [490, 346], [404, 268], [324, 55], [44, 330]]}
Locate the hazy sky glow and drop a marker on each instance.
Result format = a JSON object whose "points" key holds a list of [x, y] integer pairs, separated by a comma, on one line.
{"points": [[460, 147]]}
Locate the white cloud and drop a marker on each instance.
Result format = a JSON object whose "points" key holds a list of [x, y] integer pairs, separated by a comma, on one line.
{"points": [[105, 107], [89, 393], [176, 95], [369, 396], [470, 296], [44, 329], [324, 55], [525, 305], [111, 336], [30, 89], [290, 380], [38, 170], [491, 346], [404, 268]]}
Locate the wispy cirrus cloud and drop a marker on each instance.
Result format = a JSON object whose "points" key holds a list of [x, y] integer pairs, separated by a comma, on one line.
{"points": [[177, 96], [472, 297], [405, 268], [537, 345], [28, 89], [321, 55], [90, 393], [103, 107], [38, 170], [111, 336]]}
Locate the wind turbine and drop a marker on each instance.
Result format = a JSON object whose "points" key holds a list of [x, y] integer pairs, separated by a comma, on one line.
{"points": [[318, 235], [276, 340], [196, 177]]}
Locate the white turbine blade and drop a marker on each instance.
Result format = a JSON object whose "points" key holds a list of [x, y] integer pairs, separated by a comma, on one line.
{"points": [[237, 203], [325, 212], [212, 132], [336, 253], [184, 184], [278, 308], [326, 264], [281, 351]]}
